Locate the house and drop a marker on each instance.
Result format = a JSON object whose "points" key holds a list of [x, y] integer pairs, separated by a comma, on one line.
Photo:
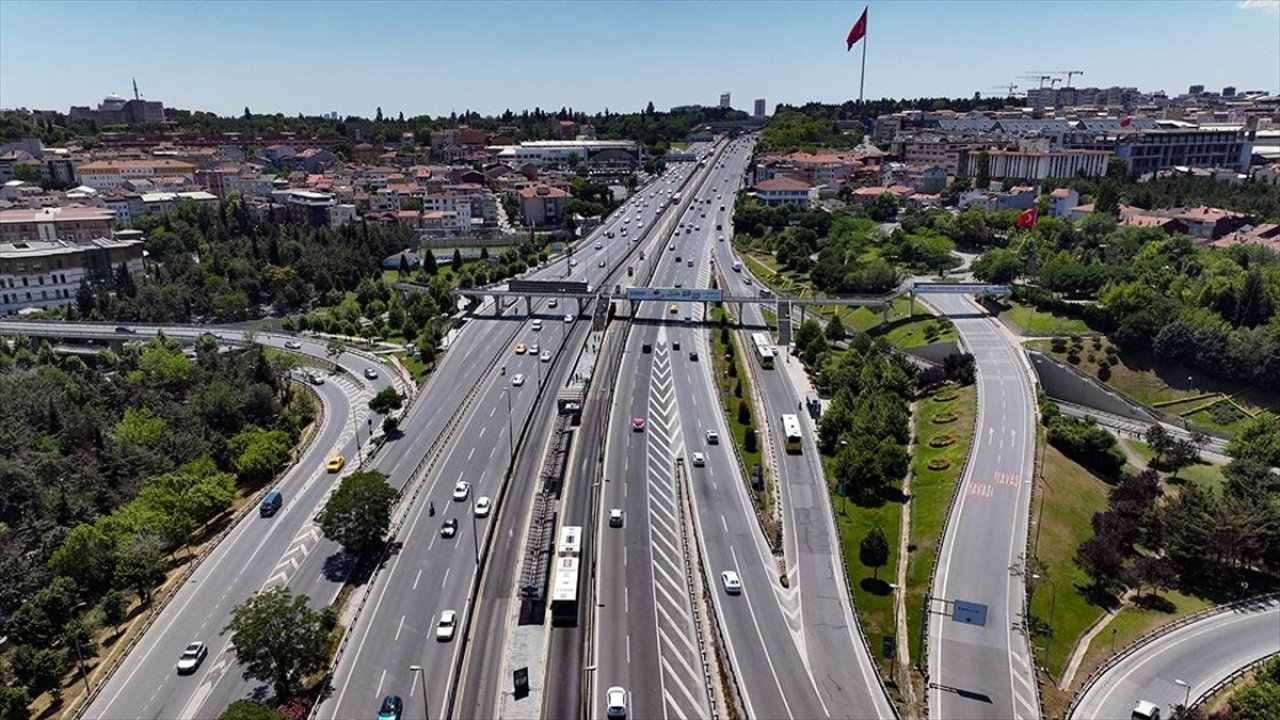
{"points": [[1170, 226], [1267, 235], [1061, 201], [1206, 223], [313, 160], [786, 191], [543, 205]]}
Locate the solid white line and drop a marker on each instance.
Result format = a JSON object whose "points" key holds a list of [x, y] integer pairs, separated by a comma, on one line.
{"points": [[416, 578], [398, 629], [381, 679]]}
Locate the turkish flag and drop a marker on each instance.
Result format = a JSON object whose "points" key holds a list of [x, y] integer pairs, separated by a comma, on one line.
{"points": [[858, 32], [1027, 219]]}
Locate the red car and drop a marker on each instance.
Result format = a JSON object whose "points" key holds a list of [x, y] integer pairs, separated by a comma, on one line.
{"points": [[637, 424]]}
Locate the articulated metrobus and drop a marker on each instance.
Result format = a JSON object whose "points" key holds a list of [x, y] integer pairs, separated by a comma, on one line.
{"points": [[564, 584], [763, 348], [791, 432]]}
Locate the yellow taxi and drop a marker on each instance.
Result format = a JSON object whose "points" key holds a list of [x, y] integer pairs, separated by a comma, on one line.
{"points": [[336, 463], [520, 348]]}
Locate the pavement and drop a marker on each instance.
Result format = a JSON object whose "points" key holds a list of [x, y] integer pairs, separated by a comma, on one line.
{"points": [[982, 667], [1184, 663]]}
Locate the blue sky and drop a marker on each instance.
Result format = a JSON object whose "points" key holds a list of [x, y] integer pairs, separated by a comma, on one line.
{"points": [[434, 57]]}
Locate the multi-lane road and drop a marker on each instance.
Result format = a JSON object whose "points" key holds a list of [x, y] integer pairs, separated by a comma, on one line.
{"points": [[981, 667]]}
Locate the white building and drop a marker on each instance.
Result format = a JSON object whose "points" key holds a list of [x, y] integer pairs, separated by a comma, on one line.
{"points": [[111, 174], [47, 273], [1040, 164], [786, 191], [541, 153]]}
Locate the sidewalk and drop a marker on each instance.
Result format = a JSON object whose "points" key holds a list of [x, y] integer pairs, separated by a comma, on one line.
{"points": [[793, 368]]}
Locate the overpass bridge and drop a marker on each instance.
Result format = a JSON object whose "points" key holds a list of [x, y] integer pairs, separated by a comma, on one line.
{"points": [[585, 296]]}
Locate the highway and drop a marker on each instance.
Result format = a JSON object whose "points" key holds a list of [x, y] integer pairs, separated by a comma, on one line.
{"points": [[984, 669], [817, 607], [429, 573], [1199, 653]]}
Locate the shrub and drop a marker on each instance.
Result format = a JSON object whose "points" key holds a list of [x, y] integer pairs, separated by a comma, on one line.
{"points": [[939, 463], [1059, 345], [749, 441], [1104, 372], [1073, 358]]}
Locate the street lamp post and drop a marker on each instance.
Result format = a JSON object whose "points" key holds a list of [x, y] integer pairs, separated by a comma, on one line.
{"points": [[417, 670], [1187, 697], [511, 434], [1053, 603], [475, 533], [80, 657]]}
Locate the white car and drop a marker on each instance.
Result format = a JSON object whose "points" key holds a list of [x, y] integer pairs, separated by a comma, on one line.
{"points": [[293, 344], [533, 348], [615, 700], [713, 437], [599, 246], [462, 490], [552, 302], [573, 262], [191, 658], [483, 506], [445, 627], [568, 318], [699, 460], [545, 356], [732, 584], [518, 380], [615, 517]]}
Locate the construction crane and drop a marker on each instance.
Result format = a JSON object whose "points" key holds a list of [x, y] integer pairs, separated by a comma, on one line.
{"points": [[1048, 73], [1008, 88], [1042, 78]]}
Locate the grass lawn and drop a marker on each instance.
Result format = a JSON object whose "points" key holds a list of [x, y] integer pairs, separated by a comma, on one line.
{"points": [[931, 489], [727, 378], [1033, 321], [1071, 495], [872, 596], [1204, 473], [1135, 620]]}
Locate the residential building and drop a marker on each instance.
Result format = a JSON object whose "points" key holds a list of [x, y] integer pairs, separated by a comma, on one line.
{"points": [[74, 223], [1038, 165], [305, 206], [42, 273], [543, 205], [111, 174], [1061, 201], [759, 109], [1207, 223], [786, 191], [724, 101], [929, 179]]}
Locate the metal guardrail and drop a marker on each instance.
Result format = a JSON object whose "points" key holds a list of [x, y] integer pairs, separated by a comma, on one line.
{"points": [[1156, 634], [1234, 676]]}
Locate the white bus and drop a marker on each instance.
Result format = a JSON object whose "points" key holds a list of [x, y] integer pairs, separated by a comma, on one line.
{"points": [[565, 576], [763, 349], [791, 433]]}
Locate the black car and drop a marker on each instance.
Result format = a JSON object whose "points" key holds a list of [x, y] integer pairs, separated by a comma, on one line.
{"points": [[693, 355], [392, 707], [123, 329]]}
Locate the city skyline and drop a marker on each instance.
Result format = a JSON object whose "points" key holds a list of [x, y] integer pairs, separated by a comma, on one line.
{"points": [[618, 56]]}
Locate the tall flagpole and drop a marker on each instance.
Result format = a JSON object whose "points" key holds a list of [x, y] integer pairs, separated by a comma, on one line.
{"points": [[863, 80]]}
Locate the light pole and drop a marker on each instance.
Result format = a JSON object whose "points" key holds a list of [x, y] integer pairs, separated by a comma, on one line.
{"points": [[475, 533], [511, 435], [80, 657], [1187, 697], [417, 670], [1053, 603]]}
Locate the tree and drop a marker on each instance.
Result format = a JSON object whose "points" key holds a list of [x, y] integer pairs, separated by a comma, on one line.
{"points": [[998, 265], [14, 703], [1159, 440], [1150, 571], [249, 710], [749, 441], [1260, 701], [40, 669], [456, 263], [1101, 557], [386, 400], [983, 181], [873, 551], [87, 556], [140, 564], [26, 172], [744, 413], [278, 639], [358, 514], [835, 329], [883, 208], [115, 609], [429, 266]]}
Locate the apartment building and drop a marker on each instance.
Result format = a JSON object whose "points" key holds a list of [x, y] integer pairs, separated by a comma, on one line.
{"points": [[1040, 164], [42, 273], [543, 205], [786, 191], [111, 174], [1172, 143], [73, 223]]}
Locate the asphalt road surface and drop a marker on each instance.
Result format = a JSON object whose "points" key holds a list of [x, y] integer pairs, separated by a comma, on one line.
{"points": [[984, 669]]}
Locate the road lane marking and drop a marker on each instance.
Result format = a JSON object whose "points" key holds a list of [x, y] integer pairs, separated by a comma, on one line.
{"points": [[471, 454], [445, 581], [724, 524], [416, 578], [746, 597], [381, 679], [398, 629]]}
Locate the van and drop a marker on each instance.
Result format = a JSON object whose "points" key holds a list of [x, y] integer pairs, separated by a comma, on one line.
{"points": [[737, 266], [271, 504], [646, 348]]}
